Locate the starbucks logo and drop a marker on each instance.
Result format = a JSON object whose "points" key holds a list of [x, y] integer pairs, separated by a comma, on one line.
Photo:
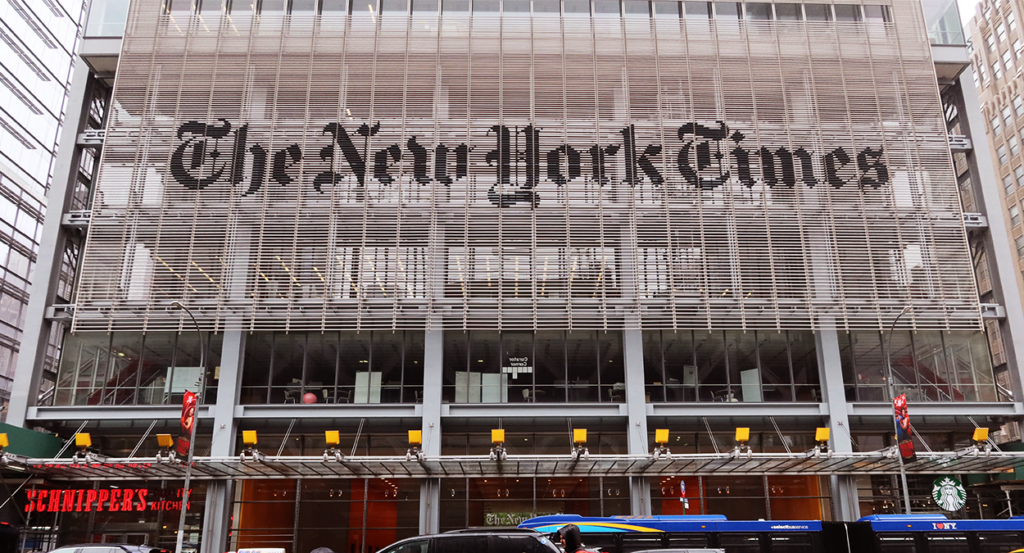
{"points": [[949, 494]]}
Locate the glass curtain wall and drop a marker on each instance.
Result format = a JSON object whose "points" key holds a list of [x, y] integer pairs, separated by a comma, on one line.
{"points": [[926, 365], [333, 367], [134, 368], [789, 497], [730, 366], [469, 502], [527, 367], [342, 514]]}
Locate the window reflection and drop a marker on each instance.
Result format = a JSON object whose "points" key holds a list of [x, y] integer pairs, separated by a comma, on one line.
{"points": [[926, 365], [730, 366], [529, 367], [333, 367], [133, 368]]}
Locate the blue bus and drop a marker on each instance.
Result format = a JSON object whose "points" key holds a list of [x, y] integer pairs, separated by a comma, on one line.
{"points": [[929, 533]]}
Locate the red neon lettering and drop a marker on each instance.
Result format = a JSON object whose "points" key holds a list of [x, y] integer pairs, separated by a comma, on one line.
{"points": [[90, 497], [54, 505], [69, 501], [142, 499], [40, 496], [126, 503], [115, 500], [104, 496], [30, 504], [78, 506]]}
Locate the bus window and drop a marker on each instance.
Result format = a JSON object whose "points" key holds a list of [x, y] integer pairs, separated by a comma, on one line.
{"points": [[683, 541], [600, 542], [740, 543], [639, 542], [896, 543], [998, 542], [947, 543], [792, 542]]}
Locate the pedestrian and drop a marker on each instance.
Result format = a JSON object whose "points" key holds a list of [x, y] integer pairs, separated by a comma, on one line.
{"points": [[572, 540]]}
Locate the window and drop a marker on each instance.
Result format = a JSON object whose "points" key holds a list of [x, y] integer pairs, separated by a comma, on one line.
{"points": [[947, 543], [997, 71], [876, 14], [1007, 115], [1018, 106], [897, 543], [759, 11], [990, 41], [740, 543], [792, 542], [984, 75], [416, 546], [461, 544], [1011, 21], [640, 541], [997, 542], [1014, 147], [1018, 174], [1001, 154], [848, 12], [517, 544], [1008, 60], [789, 12], [1019, 241], [818, 12], [1014, 215], [1008, 184], [1001, 32]]}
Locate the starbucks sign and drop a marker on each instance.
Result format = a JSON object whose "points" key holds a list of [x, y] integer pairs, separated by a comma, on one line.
{"points": [[949, 494]]}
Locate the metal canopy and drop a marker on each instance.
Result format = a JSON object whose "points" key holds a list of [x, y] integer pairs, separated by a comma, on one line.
{"points": [[220, 468]]}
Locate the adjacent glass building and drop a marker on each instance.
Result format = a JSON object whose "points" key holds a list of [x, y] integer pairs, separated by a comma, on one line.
{"points": [[534, 215], [40, 40]]}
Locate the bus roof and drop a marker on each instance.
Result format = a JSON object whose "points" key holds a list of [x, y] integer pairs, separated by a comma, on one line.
{"points": [[936, 522], [677, 523]]}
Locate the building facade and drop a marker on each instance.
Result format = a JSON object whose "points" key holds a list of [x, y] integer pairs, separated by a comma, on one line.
{"points": [[997, 48], [40, 41], [530, 215]]}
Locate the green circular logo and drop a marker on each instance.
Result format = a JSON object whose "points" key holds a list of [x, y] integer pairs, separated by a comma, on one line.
{"points": [[949, 494]]}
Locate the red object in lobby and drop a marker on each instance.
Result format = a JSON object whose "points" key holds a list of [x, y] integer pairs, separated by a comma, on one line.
{"points": [[309, 398]]}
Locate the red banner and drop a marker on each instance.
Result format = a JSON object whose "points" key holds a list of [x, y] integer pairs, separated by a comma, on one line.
{"points": [[903, 428], [188, 420]]}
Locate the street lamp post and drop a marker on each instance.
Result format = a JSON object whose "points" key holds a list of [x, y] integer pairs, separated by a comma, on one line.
{"points": [[192, 439], [892, 398]]}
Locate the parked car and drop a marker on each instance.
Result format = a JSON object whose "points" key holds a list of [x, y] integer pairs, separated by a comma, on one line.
{"points": [[477, 541]]}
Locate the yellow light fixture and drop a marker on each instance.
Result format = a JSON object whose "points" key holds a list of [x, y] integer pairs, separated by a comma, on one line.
{"points": [[579, 435], [980, 435], [83, 439], [822, 434], [498, 436], [249, 437], [415, 437], [333, 437], [165, 440], [742, 435], [661, 436]]}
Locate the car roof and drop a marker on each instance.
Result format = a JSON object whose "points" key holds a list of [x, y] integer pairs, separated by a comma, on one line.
{"points": [[125, 546]]}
